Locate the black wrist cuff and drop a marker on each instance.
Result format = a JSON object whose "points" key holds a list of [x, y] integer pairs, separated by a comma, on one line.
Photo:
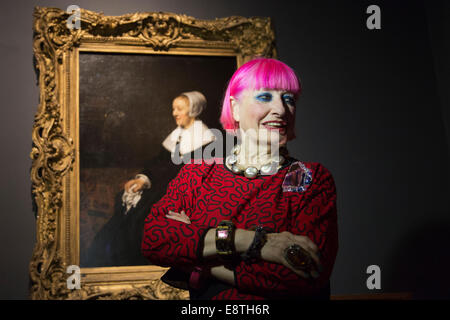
{"points": [[253, 253]]}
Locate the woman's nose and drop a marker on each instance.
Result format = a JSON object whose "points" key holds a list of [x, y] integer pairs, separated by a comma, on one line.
{"points": [[278, 106]]}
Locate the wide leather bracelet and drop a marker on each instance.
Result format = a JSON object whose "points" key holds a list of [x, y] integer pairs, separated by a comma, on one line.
{"points": [[225, 248], [253, 253]]}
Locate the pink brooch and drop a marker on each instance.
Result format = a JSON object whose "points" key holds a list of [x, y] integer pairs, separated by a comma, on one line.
{"points": [[298, 178]]}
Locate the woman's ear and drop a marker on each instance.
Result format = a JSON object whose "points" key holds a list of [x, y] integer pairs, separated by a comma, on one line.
{"points": [[234, 108]]}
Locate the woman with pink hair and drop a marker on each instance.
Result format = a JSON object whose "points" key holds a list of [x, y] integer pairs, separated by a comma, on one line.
{"points": [[260, 224]]}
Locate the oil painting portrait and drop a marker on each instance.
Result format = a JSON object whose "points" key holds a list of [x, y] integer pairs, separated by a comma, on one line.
{"points": [[128, 120]]}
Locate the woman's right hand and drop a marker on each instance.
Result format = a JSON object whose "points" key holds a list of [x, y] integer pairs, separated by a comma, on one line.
{"points": [[276, 245], [139, 185]]}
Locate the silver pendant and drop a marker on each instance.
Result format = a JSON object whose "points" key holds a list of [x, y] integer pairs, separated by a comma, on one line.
{"points": [[251, 172], [231, 160], [269, 169], [235, 169]]}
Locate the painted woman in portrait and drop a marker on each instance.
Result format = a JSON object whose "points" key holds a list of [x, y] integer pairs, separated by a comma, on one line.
{"points": [[118, 242]]}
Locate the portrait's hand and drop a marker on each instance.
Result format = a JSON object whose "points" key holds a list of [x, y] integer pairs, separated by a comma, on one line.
{"points": [[139, 185], [274, 250], [182, 217]]}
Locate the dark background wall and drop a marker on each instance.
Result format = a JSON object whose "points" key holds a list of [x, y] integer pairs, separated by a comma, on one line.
{"points": [[374, 111]]}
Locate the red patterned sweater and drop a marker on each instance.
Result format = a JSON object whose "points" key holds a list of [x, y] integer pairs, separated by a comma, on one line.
{"points": [[210, 193]]}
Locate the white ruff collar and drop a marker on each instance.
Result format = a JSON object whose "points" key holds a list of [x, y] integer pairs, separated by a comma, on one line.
{"points": [[194, 137]]}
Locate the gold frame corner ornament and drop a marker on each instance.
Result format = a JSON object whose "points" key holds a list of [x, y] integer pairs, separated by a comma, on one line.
{"points": [[54, 153]]}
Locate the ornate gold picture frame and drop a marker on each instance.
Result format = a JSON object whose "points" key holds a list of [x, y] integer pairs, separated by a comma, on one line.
{"points": [[56, 149]]}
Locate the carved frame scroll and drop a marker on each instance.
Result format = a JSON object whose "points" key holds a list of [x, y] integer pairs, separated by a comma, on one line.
{"points": [[55, 136]]}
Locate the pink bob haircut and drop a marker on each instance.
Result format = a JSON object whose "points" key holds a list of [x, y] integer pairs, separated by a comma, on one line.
{"points": [[260, 73]]}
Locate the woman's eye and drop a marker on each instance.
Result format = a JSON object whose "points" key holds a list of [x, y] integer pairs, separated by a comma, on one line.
{"points": [[289, 99], [265, 97]]}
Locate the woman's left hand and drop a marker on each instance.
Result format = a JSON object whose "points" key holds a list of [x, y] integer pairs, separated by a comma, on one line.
{"points": [[182, 217], [274, 250]]}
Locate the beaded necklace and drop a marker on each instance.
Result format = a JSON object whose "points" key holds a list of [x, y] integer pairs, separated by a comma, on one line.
{"points": [[251, 172]]}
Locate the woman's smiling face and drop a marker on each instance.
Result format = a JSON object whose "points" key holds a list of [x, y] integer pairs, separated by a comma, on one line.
{"points": [[180, 112], [267, 112]]}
